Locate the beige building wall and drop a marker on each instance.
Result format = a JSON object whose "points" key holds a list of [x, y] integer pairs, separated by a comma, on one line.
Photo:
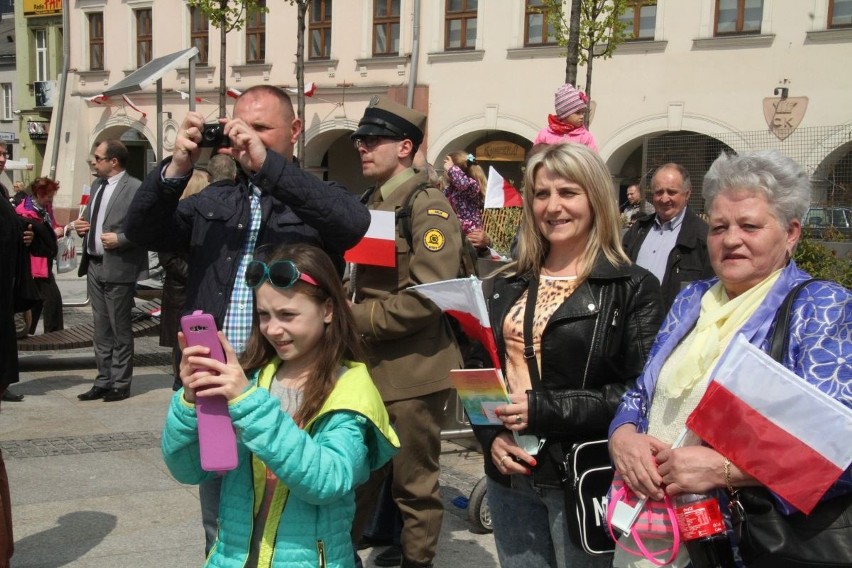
{"points": [[683, 81]]}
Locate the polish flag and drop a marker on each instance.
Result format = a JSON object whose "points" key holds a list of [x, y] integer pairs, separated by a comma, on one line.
{"points": [[462, 299], [133, 106], [378, 246], [184, 96], [310, 89], [784, 432], [97, 99], [233, 93], [499, 193]]}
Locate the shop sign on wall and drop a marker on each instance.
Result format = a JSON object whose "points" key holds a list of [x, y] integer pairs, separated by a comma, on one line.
{"points": [[42, 7]]}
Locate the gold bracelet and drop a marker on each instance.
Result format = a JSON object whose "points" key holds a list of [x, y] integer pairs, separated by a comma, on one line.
{"points": [[728, 486]]}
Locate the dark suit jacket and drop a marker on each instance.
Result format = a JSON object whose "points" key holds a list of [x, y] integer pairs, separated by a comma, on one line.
{"points": [[687, 261], [125, 263]]}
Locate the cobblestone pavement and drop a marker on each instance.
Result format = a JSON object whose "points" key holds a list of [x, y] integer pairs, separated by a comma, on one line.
{"points": [[90, 490]]}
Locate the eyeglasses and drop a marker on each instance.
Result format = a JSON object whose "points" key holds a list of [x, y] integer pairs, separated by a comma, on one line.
{"points": [[281, 274], [101, 159], [369, 143]]}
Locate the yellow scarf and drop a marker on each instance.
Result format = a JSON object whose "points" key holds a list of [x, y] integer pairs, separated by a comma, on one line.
{"points": [[719, 319]]}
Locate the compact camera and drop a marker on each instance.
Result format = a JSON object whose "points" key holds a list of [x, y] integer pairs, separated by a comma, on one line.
{"points": [[213, 136]]}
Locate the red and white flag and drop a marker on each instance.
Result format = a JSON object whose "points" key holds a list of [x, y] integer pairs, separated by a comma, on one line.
{"points": [[184, 96], [499, 193], [97, 99], [462, 299], [310, 89], [378, 246], [784, 432], [233, 93]]}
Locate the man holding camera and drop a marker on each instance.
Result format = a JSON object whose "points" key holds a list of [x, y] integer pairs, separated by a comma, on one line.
{"points": [[271, 202]]}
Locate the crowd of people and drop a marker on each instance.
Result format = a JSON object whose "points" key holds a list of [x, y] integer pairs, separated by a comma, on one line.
{"points": [[608, 324]]}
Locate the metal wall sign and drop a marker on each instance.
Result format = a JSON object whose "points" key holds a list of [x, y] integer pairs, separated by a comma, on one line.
{"points": [[42, 7], [784, 114]]}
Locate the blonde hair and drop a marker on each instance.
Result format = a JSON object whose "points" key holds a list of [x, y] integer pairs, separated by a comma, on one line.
{"points": [[469, 166], [580, 165], [199, 180]]}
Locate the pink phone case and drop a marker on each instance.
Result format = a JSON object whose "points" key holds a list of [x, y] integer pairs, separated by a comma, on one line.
{"points": [[216, 438]]}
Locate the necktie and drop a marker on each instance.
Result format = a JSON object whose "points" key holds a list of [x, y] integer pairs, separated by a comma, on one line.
{"points": [[93, 220]]}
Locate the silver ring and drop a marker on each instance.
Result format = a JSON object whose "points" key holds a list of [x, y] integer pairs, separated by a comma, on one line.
{"points": [[518, 419]]}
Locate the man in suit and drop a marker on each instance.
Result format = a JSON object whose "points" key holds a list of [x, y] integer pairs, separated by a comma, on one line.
{"points": [[112, 265], [411, 345], [671, 243]]}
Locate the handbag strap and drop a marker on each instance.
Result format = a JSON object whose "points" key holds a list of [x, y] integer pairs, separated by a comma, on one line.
{"points": [[529, 348], [780, 340], [622, 493]]}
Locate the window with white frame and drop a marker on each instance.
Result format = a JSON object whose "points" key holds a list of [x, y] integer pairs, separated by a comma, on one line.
{"points": [[386, 27], [199, 33], [40, 54], [319, 29], [537, 29], [460, 24], [738, 17], [839, 14], [256, 34], [144, 36], [7, 101], [639, 19], [96, 41]]}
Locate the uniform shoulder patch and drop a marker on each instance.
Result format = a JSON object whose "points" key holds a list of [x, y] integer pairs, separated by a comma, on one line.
{"points": [[434, 240], [438, 213]]}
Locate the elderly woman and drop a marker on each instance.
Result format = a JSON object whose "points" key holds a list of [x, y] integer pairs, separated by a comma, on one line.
{"points": [[755, 203], [38, 208], [593, 318]]}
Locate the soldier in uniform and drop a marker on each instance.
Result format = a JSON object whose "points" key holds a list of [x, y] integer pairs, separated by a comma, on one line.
{"points": [[411, 345]]}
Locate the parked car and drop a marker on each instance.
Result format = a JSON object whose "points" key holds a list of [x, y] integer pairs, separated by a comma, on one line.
{"points": [[819, 221]]}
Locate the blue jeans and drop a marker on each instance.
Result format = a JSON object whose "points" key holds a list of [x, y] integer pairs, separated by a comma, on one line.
{"points": [[530, 530]]}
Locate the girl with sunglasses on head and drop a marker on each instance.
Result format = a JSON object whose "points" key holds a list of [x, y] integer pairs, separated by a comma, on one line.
{"points": [[310, 423]]}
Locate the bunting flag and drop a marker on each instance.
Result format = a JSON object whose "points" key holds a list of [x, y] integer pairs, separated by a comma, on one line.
{"points": [[310, 89], [769, 422], [97, 99], [184, 96], [463, 300], [133, 106], [499, 193], [233, 93], [378, 246]]}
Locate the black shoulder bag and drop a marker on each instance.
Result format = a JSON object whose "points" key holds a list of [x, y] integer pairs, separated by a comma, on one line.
{"points": [[586, 469], [769, 538]]}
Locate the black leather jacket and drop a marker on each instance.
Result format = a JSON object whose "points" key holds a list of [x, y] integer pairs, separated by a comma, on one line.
{"points": [[593, 347]]}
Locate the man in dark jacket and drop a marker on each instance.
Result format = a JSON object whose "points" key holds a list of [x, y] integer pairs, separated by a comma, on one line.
{"points": [[272, 202], [671, 243], [18, 239]]}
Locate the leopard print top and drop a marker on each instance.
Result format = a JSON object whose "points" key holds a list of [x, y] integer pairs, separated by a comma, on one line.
{"points": [[552, 292]]}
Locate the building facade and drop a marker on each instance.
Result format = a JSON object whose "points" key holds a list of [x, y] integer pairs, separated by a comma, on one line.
{"points": [[698, 77]]}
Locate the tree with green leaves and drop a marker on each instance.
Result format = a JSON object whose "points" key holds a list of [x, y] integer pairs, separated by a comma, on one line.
{"points": [[592, 29], [227, 16]]}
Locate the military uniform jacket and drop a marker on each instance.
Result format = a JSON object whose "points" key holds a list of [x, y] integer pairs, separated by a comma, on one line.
{"points": [[410, 344]]}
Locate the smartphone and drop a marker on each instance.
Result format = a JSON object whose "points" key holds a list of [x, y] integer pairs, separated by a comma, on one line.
{"points": [[217, 440]]}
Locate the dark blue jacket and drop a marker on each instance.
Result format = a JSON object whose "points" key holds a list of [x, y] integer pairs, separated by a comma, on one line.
{"points": [[210, 226]]}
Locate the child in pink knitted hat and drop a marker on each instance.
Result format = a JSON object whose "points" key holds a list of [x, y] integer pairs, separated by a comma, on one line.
{"points": [[567, 124]]}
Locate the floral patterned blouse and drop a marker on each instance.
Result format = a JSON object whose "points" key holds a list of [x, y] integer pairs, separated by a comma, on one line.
{"points": [[465, 196]]}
